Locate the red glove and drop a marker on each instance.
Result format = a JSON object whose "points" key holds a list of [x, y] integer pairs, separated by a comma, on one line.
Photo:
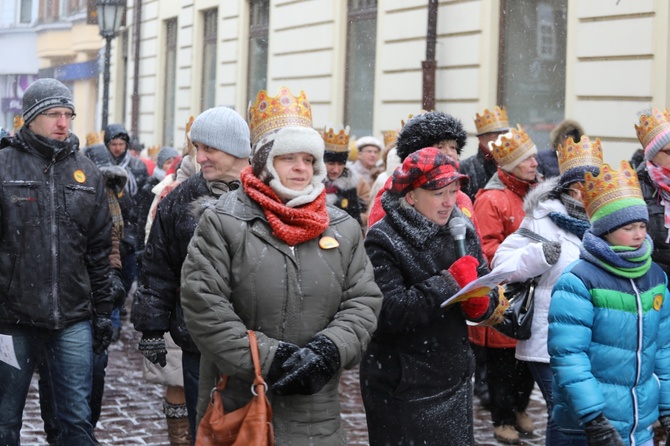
{"points": [[464, 270], [475, 307]]}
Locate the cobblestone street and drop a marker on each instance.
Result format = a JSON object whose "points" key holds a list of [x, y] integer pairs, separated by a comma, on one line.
{"points": [[132, 409]]}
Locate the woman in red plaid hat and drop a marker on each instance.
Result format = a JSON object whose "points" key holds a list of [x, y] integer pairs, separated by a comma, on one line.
{"points": [[419, 364]]}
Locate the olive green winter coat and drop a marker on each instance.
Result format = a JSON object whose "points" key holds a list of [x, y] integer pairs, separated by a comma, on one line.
{"points": [[238, 276]]}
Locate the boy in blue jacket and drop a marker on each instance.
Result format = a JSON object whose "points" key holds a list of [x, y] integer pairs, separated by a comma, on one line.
{"points": [[609, 322]]}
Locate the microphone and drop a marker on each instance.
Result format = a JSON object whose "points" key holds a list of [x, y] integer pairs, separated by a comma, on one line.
{"points": [[457, 228]]}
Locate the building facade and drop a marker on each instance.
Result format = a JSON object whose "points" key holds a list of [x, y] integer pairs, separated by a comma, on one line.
{"points": [[599, 62]]}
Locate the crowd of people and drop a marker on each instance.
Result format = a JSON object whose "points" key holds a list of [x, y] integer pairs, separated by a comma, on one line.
{"points": [[337, 252]]}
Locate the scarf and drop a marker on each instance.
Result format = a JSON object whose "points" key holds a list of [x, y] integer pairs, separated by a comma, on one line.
{"points": [[661, 177], [115, 211], [576, 221], [516, 185], [291, 225], [131, 185], [623, 261]]}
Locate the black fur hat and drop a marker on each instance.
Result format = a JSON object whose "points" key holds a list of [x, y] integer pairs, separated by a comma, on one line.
{"points": [[428, 129]]}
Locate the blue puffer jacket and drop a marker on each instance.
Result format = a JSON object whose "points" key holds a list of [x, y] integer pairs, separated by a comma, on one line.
{"points": [[609, 342]]}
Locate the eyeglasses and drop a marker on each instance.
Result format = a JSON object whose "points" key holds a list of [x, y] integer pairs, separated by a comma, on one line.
{"points": [[56, 115]]}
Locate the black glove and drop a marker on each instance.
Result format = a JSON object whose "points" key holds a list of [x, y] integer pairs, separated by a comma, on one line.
{"points": [[551, 251], [665, 422], [118, 290], [152, 347], [102, 333], [309, 369], [599, 432], [284, 351]]}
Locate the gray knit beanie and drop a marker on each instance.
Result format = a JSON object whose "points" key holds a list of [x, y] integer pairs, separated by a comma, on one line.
{"points": [[44, 94], [222, 128], [165, 154]]}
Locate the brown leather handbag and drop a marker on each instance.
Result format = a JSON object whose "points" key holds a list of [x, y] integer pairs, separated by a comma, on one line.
{"points": [[250, 425]]}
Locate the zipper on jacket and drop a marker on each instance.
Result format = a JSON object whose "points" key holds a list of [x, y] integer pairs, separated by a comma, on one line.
{"points": [[53, 161], [638, 361], [54, 244]]}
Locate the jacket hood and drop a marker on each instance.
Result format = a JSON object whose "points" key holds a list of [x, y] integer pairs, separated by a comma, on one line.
{"points": [[566, 128], [539, 193], [114, 131], [100, 156]]}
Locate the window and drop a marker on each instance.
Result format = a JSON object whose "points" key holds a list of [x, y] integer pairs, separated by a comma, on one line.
{"points": [[26, 11], [170, 86], [532, 70], [360, 66], [259, 23], [48, 10], [208, 93]]}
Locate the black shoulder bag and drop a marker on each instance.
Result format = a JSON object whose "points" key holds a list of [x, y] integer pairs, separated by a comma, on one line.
{"points": [[518, 317]]}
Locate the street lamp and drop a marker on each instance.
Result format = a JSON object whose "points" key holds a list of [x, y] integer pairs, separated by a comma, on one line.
{"points": [[110, 13]]}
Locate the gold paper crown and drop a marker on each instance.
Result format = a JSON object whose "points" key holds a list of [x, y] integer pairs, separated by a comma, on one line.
{"points": [[269, 113], [573, 154], [94, 138], [495, 120], [403, 122], [152, 151], [390, 137], [511, 147], [653, 125], [18, 122], [610, 186], [336, 139]]}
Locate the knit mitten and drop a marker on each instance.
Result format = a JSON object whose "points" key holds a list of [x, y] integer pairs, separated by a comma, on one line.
{"points": [[551, 251], [464, 270], [152, 347]]}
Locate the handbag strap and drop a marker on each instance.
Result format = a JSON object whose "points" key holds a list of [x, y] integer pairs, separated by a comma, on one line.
{"points": [[255, 357], [531, 235]]}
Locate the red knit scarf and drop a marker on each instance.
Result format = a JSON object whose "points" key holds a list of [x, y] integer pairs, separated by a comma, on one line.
{"points": [[516, 185], [292, 225]]}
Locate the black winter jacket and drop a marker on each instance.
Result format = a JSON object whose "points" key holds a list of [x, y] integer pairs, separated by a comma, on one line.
{"points": [[480, 170], [55, 235], [656, 227], [157, 306]]}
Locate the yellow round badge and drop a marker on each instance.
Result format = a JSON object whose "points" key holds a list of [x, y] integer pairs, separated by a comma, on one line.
{"points": [[466, 211], [658, 302], [345, 203], [328, 243], [79, 176]]}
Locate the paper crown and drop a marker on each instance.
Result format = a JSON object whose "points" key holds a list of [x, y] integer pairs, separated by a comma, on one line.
{"points": [[573, 155], [652, 125], [512, 147], [390, 137], [611, 191], [336, 139], [495, 120], [268, 113], [94, 138], [152, 151]]}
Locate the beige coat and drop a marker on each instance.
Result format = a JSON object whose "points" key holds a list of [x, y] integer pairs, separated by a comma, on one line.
{"points": [[238, 276]]}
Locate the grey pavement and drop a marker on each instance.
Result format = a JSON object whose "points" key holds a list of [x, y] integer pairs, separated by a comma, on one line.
{"points": [[132, 408]]}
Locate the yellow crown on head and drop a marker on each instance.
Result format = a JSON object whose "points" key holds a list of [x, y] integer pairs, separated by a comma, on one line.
{"points": [[652, 125], [268, 113], [336, 139], [512, 147], [94, 138], [152, 151], [609, 186], [18, 122], [573, 154], [495, 120], [390, 137]]}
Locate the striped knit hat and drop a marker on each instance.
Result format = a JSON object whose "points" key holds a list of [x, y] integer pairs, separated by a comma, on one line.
{"points": [[613, 199]]}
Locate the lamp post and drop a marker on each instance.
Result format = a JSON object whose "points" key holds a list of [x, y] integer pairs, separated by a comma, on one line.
{"points": [[110, 13]]}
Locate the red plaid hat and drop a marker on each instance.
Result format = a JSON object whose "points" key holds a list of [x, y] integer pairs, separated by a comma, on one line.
{"points": [[427, 168]]}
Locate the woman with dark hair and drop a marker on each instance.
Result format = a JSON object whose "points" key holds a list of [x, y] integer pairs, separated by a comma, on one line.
{"points": [[272, 257]]}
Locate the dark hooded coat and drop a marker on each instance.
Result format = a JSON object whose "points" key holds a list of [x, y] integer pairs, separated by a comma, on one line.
{"points": [[480, 169]]}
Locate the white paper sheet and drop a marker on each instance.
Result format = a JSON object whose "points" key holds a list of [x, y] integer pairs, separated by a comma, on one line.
{"points": [[7, 354]]}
